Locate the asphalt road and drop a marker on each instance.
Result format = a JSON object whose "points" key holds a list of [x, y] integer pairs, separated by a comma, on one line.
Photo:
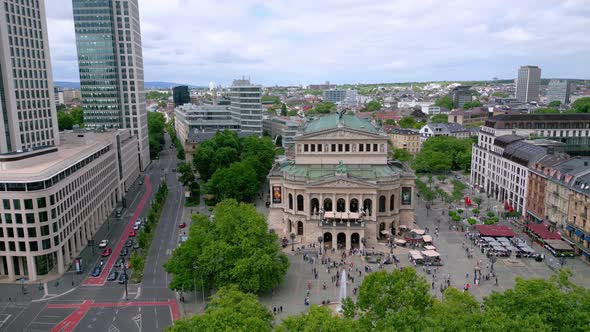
{"points": [[101, 306]]}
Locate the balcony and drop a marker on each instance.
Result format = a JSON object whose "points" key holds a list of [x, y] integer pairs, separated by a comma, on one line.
{"points": [[340, 225]]}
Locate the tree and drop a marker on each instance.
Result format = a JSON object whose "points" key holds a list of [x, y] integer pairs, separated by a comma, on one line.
{"points": [[477, 200], [318, 319], [64, 121], [372, 106], [228, 310], [389, 122], [546, 111], [292, 113], [284, 110], [270, 99], [439, 118], [581, 105], [472, 104], [77, 116], [156, 123], [390, 301], [446, 102], [187, 176], [554, 103], [407, 122], [402, 155], [500, 94], [238, 181], [443, 153], [323, 108], [235, 249]]}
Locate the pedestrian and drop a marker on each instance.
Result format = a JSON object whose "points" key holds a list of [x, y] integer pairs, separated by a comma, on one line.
{"points": [[433, 285], [274, 309], [281, 309], [467, 275], [496, 281]]}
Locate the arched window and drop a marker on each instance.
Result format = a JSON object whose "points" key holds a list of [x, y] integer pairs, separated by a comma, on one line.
{"points": [[327, 204], [368, 206], [290, 202], [354, 205], [382, 204], [315, 206], [391, 202], [299, 202], [340, 203]]}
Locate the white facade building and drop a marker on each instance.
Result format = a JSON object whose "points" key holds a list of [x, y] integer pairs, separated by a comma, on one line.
{"points": [[443, 129], [348, 97], [246, 106]]}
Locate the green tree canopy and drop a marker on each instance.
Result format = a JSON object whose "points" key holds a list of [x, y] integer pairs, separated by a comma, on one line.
{"points": [[443, 153], [156, 123], [472, 104], [235, 249], [407, 122], [546, 111], [372, 106], [318, 319], [238, 181], [270, 100], [323, 108], [446, 102], [554, 103], [581, 105], [77, 116], [439, 118], [402, 155], [228, 310], [64, 121], [284, 111]]}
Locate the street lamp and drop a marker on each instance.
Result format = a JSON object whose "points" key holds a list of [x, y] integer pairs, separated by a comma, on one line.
{"points": [[292, 236]]}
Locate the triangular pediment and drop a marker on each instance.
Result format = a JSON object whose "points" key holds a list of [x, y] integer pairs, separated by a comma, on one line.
{"points": [[340, 133], [342, 182]]}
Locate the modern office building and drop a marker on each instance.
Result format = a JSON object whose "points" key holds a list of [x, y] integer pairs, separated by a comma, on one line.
{"points": [[461, 95], [558, 90], [181, 95], [27, 101], [108, 39], [191, 119], [528, 84], [285, 127], [340, 186], [54, 199], [500, 168], [347, 97], [59, 95], [246, 106]]}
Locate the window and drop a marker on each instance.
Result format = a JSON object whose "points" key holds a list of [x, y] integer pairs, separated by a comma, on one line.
{"points": [[32, 232], [43, 216], [391, 202], [16, 204], [319, 147], [19, 218], [46, 244], [312, 147], [290, 202], [333, 148], [44, 230], [368, 147], [6, 204], [382, 204], [361, 147], [8, 218], [41, 202], [300, 203], [33, 246], [30, 218], [375, 148], [339, 147], [28, 204], [347, 147], [305, 147]]}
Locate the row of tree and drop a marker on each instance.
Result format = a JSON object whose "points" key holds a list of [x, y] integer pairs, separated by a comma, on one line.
{"points": [[156, 123], [234, 167], [401, 301], [67, 119], [235, 249]]}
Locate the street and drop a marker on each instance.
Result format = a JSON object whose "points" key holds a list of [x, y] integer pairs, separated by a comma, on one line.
{"points": [[84, 303]]}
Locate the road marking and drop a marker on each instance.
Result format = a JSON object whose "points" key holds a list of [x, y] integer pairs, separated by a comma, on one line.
{"points": [[168, 252], [5, 319], [138, 292], [137, 320], [113, 328]]}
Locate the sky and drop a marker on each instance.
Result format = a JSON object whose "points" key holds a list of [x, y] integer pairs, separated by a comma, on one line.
{"points": [[299, 42]]}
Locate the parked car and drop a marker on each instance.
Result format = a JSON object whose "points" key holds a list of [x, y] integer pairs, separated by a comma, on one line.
{"points": [[458, 177], [103, 243], [122, 278], [124, 251], [120, 261], [135, 245], [132, 233], [113, 276], [129, 243], [107, 252], [96, 271], [136, 227], [182, 225]]}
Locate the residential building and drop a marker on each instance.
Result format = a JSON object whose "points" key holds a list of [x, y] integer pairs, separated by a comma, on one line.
{"points": [[443, 129], [461, 95], [59, 95], [468, 117], [245, 105], [108, 40], [434, 110], [325, 86], [405, 139], [536, 197], [72, 96], [578, 227], [558, 90], [503, 175], [54, 199], [181, 95], [340, 186], [285, 127], [341, 97], [528, 84], [27, 102]]}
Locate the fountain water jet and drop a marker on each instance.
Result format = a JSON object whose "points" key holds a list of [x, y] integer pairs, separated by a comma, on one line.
{"points": [[342, 294]]}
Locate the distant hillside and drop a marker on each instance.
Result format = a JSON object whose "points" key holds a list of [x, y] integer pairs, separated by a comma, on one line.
{"points": [[148, 85]]}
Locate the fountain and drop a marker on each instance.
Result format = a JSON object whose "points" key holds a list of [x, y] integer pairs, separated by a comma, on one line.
{"points": [[342, 295]]}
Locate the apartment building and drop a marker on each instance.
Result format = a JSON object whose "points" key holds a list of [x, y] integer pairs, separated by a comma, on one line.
{"points": [[405, 139]]}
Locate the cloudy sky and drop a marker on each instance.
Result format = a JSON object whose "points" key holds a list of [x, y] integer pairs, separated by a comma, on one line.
{"points": [[346, 41]]}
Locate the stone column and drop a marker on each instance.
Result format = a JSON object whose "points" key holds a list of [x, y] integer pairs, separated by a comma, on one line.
{"points": [[32, 268], [60, 261], [67, 256], [10, 265]]}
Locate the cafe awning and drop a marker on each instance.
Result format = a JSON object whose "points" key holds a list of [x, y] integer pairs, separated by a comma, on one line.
{"points": [[430, 247], [430, 253], [400, 241], [427, 238], [385, 232], [418, 231]]}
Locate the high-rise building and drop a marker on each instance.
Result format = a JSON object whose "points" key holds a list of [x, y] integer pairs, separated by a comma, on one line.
{"points": [[59, 95], [181, 95], [108, 39], [27, 102], [461, 95], [559, 90], [246, 106], [528, 83]]}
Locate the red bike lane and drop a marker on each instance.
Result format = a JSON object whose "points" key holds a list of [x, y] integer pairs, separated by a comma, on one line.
{"points": [[101, 279]]}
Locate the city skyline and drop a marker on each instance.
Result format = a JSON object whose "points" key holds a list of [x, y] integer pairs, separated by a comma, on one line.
{"points": [[301, 43]]}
